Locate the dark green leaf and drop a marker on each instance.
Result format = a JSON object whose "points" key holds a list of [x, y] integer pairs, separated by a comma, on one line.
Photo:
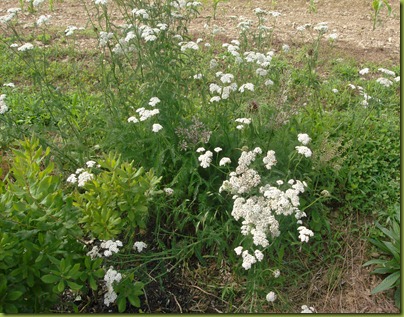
{"points": [[12, 296]]}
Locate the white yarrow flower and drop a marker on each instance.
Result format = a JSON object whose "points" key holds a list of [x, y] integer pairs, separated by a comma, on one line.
{"points": [[168, 191], [72, 179], [384, 81], [304, 150], [364, 71], [84, 177], [156, 127], [224, 161], [238, 250], [43, 19], [139, 246], [133, 119], [248, 86], [271, 297], [270, 159], [307, 310], [258, 255], [205, 159], [90, 163], [154, 101], [387, 72], [25, 47], [305, 234], [303, 138]]}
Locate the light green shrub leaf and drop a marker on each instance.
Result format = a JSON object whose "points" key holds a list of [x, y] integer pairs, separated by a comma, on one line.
{"points": [[121, 304], [50, 278], [74, 286]]}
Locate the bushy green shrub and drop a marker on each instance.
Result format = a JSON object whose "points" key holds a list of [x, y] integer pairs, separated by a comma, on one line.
{"points": [[41, 253]]}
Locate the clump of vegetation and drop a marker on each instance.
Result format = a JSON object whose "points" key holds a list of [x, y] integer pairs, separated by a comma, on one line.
{"points": [[157, 155]]}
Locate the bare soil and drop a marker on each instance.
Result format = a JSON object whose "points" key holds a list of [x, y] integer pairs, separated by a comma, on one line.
{"points": [[349, 291]]}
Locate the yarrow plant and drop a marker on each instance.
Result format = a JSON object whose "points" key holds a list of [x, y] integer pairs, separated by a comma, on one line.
{"points": [[259, 205]]}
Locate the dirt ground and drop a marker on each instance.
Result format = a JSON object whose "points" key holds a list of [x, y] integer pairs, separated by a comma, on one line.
{"points": [[352, 21]]}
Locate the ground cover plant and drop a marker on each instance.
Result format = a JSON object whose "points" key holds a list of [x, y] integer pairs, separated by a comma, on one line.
{"points": [[154, 162]]}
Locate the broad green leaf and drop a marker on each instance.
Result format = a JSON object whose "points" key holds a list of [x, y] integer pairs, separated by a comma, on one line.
{"points": [[10, 309], [74, 286], [61, 286], [50, 278], [134, 300], [121, 304], [12, 296], [387, 283], [92, 282]]}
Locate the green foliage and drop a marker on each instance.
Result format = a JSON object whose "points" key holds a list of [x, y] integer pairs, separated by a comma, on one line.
{"points": [[39, 241], [115, 201], [81, 111], [390, 263]]}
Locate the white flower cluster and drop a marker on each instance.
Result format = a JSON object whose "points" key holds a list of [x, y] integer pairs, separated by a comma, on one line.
{"points": [[233, 48], [101, 2], [110, 277], [145, 114], [169, 191], [243, 121], [191, 45], [387, 72], [245, 25], [332, 37], [364, 71], [304, 234], [181, 4], [366, 97], [247, 86], [271, 297], [43, 19], [139, 246], [3, 106], [142, 13], [302, 149], [81, 176], [303, 27], [224, 92], [258, 206], [321, 27], [108, 248], [205, 159], [104, 38], [12, 12], [71, 29], [384, 81], [307, 310], [25, 47]]}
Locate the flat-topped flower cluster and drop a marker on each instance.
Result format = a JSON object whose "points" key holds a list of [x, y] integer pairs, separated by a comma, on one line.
{"points": [[259, 205]]}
